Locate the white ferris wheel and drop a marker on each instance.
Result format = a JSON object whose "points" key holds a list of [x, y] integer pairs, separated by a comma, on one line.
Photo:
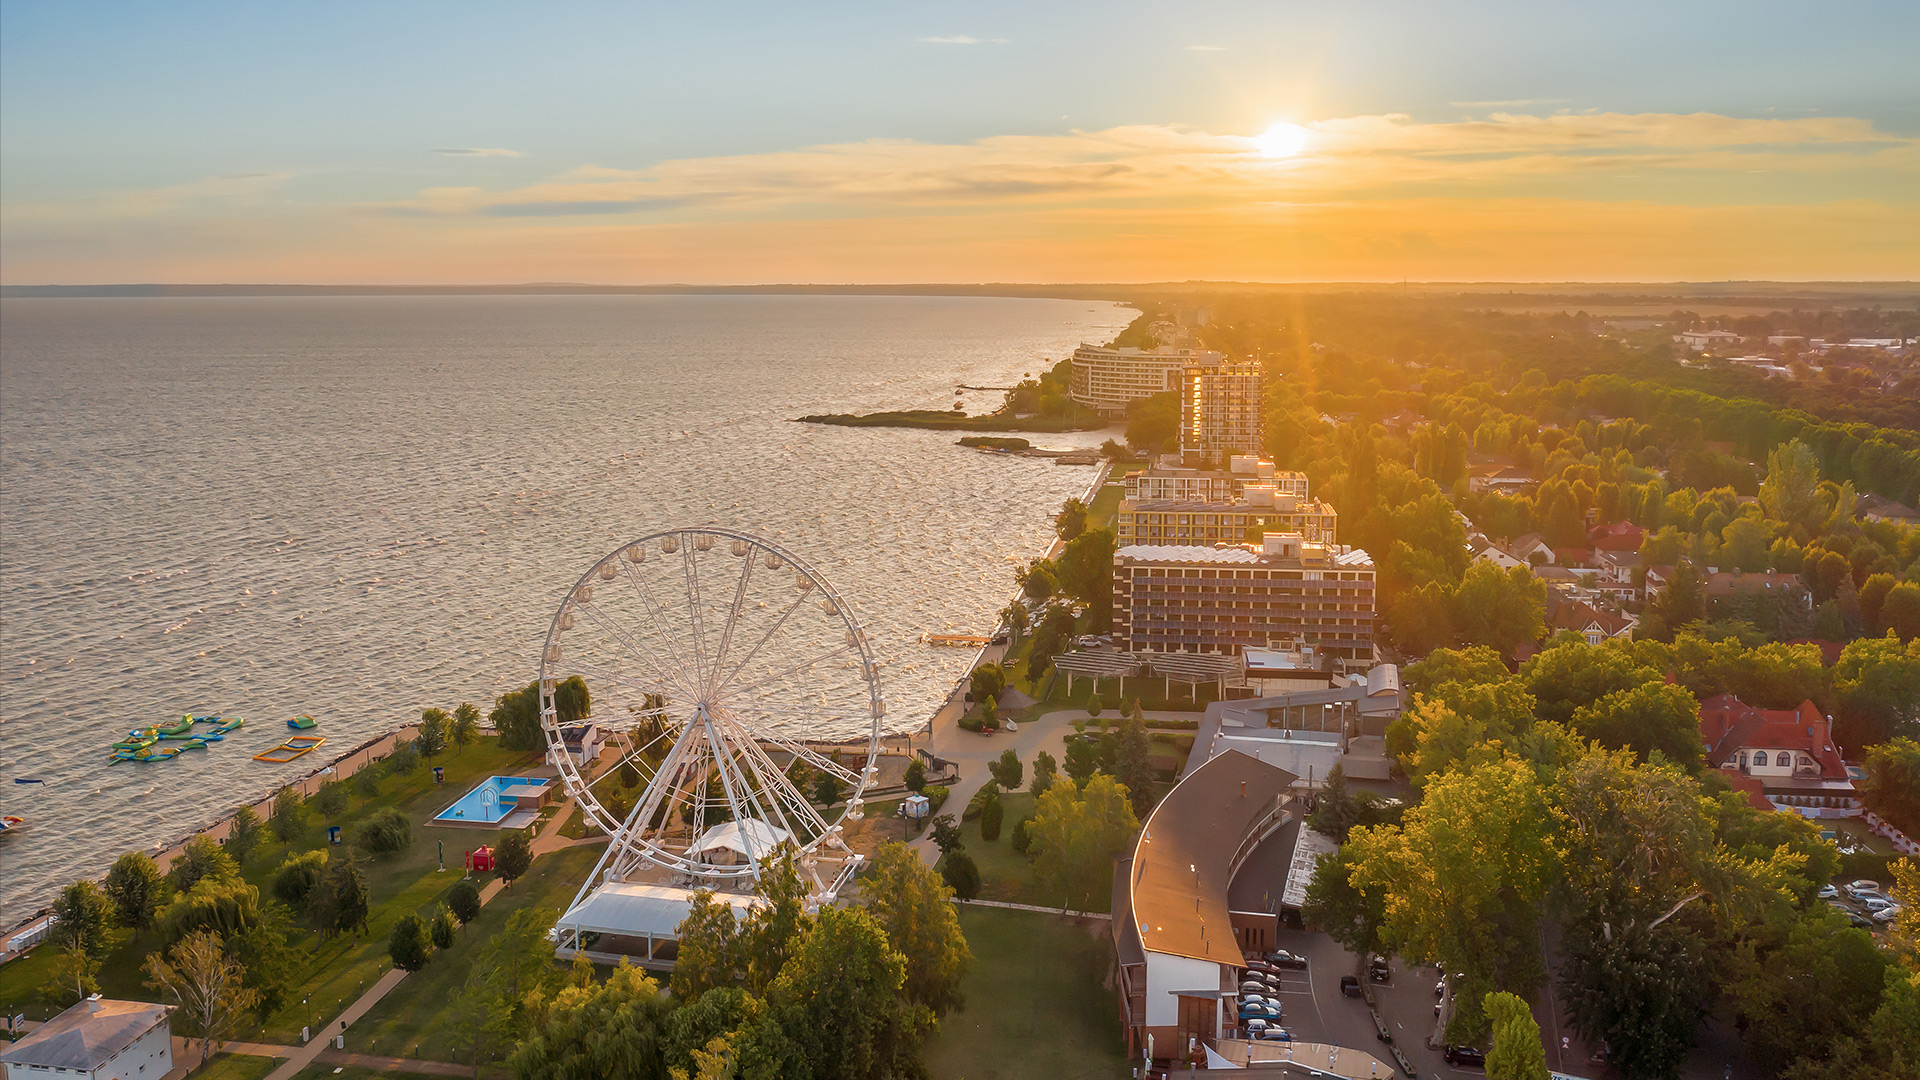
{"points": [[728, 676]]}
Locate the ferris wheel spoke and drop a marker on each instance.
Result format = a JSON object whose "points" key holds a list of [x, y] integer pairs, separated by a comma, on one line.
{"points": [[722, 684], [733, 619], [665, 778], [654, 608], [816, 759], [697, 613], [774, 782], [605, 674], [626, 641], [794, 670]]}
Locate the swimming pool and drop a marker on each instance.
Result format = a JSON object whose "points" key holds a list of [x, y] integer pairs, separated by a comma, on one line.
{"points": [[492, 799]]}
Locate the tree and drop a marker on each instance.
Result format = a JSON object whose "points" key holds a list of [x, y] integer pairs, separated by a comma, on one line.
{"points": [[385, 832], [1461, 879], [1076, 833], [1071, 521], [1790, 493], [1516, 1053], [629, 776], [74, 975], [1014, 617], [513, 857], [227, 906], [243, 835], [946, 834], [404, 759], [431, 741], [1022, 839], [990, 820], [200, 858], [466, 725], [298, 876], [615, 1030], [1007, 770], [517, 969], [1891, 786], [711, 954], [961, 874], [1045, 772], [1085, 569], [464, 900], [1654, 717], [916, 776], [826, 788], [1133, 761], [986, 682], [1083, 758], [342, 902], [135, 888], [1037, 581], [772, 929], [207, 986], [80, 917], [407, 944], [1501, 608], [331, 799], [1877, 684], [909, 902], [289, 815], [1901, 611], [516, 716], [1820, 983], [1348, 915], [837, 1010], [1095, 706]]}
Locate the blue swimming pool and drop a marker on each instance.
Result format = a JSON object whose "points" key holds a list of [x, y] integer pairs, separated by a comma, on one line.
{"points": [[494, 798]]}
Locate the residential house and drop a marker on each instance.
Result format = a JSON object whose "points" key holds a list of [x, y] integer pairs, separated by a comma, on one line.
{"points": [[1619, 536], [1498, 556], [1526, 547], [583, 742], [1499, 478], [1876, 508], [1594, 624], [1177, 944], [1789, 751], [97, 1039], [1614, 571], [1721, 585]]}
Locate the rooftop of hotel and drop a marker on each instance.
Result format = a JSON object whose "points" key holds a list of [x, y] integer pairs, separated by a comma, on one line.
{"points": [[1246, 555]]}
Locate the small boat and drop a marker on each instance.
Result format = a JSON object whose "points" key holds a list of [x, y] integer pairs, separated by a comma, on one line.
{"points": [[302, 723], [292, 748], [28, 780]]}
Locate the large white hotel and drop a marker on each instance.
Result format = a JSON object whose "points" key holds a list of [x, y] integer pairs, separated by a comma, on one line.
{"points": [[1111, 379]]}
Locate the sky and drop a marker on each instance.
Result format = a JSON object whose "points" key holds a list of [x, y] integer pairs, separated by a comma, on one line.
{"points": [[417, 143]]}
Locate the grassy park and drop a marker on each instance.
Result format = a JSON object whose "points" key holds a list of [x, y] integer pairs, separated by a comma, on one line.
{"points": [[1036, 1001]]}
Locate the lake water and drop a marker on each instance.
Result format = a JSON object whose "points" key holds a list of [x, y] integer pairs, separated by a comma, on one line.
{"points": [[359, 507]]}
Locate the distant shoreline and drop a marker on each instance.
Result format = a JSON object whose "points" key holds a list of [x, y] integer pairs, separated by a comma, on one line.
{"points": [[938, 420]]}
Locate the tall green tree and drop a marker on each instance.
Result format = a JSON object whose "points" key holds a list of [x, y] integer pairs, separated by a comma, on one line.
{"points": [[512, 857], [1790, 493], [711, 954], [1076, 833], [615, 1030], [200, 857], [1007, 769], [1516, 1052], [407, 943], [81, 915], [244, 833], [136, 888], [207, 987], [73, 976], [910, 902], [466, 725], [431, 741], [775, 927], [1654, 717], [289, 815], [1071, 521]]}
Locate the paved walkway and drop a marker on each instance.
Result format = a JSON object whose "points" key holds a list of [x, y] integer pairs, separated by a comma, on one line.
{"points": [[299, 1057], [1069, 912]]}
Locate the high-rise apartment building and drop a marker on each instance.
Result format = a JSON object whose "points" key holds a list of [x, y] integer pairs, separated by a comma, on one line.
{"points": [[1221, 599], [1111, 379], [1220, 412]]}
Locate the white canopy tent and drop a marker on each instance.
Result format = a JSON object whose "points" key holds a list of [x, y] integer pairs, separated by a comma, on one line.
{"points": [[749, 838], [651, 913]]}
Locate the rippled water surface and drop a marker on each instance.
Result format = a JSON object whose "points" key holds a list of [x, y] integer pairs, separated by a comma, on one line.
{"points": [[359, 507]]}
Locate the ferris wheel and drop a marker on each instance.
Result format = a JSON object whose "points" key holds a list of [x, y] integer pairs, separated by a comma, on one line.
{"points": [[729, 678]]}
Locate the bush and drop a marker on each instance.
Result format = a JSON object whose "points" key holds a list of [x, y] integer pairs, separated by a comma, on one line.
{"points": [[384, 833], [960, 873], [970, 722], [916, 779], [1095, 706], [990, 792], [408, 943], [441, 928], [936, 798], [298, 876], [404, 759], [1022, 842], [990, 821], [464, 900]]}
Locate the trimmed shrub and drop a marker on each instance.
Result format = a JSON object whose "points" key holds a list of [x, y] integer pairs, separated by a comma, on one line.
{"points": [[1022, 842], [990, 792], [441, 929], [990, 821], [408, 943], [960, 873], [916, 779], [936, 798], [464, 900]]}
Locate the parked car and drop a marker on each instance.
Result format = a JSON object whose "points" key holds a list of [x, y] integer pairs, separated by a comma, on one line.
{"points": [[1886, 914], [1259, 1012], [1350, 986], [1262, 967], [1876, 903], [1254, 988], [1377, 969], [1862, 889], [1258, 999], [1285, 959], [1269, 1033], [1828, 892], [1465, 1055]]}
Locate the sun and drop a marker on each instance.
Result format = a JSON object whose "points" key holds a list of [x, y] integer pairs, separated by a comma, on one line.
{"points": [[1282, 141]]}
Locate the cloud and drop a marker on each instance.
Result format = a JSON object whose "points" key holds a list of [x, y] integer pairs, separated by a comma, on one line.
{"points": [[1206, 48], [1518, 103], [961, 39], [476, 151]]}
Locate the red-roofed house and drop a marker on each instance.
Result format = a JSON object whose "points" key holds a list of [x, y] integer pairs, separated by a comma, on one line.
{"points": [[1752, 788], [1589, 622], [1619, 536], [1789, 751]]}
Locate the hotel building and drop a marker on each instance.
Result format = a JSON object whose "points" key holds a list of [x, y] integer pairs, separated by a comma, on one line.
{"points": [[1111, 379], [1171, 521], [1214, 485], [1223, 598], [1220, 410]]}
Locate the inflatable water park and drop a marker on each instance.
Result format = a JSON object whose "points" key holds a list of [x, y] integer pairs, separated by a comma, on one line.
{"points": [[169, 741]]}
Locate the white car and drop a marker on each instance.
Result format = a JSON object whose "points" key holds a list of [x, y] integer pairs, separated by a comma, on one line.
{"points": [[1828, 892], [1886, 914], [1256, 999], [1876, 903], [1863, 888]]}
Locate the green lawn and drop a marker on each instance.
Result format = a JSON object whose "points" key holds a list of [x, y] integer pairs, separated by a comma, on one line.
{"points": [[1106, 504], [1036, 1006], [235, 1067], [330, 972], [410, 1021], [1005, 874]]}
